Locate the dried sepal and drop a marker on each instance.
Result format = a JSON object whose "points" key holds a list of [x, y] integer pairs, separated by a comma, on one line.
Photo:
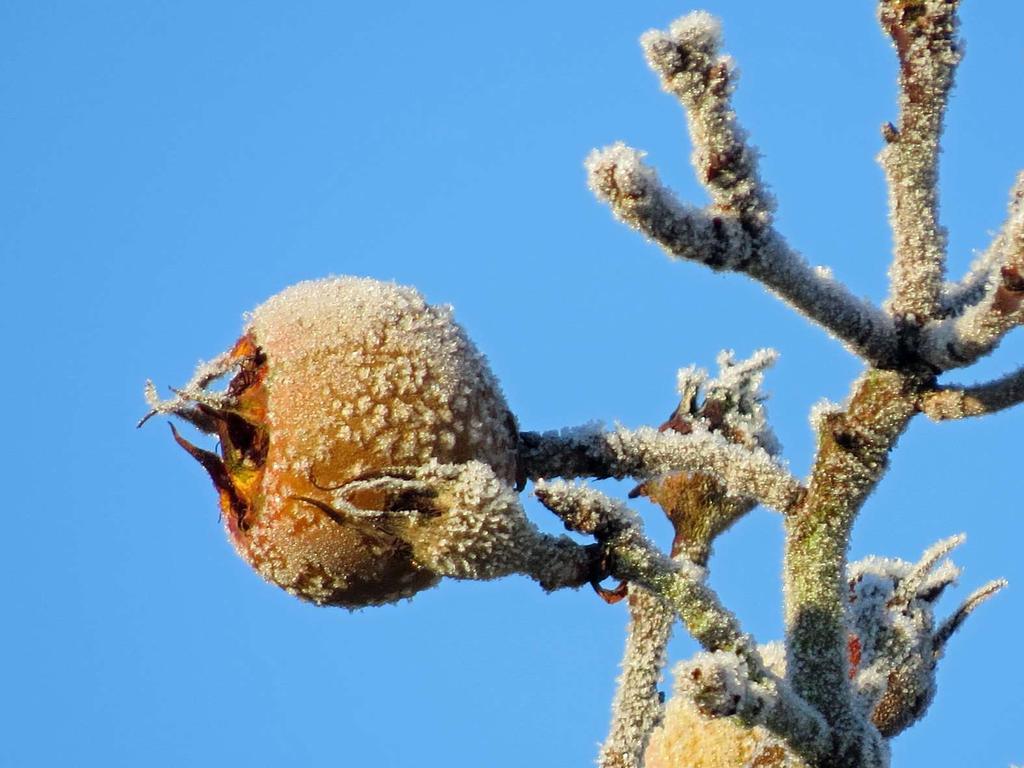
{"points": [[955, 621]]}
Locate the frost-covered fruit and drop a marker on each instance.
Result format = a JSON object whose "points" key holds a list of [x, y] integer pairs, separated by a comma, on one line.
{"points": [[341, 386], [688, 737]]}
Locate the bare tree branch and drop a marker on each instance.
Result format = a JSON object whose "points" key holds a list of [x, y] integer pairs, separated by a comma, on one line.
{"points": [[956, 401], [924, 33], [637, 708], [647, 452], [720, 241], [999, 307], [691, 67], [852, 456], [680, 584], [971, 288]]}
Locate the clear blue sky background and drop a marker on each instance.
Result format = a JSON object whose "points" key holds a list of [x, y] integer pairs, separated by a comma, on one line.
{"points": [[166, 166]]}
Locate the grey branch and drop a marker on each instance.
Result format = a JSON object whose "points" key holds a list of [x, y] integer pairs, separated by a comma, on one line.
{"points": [[637, 708], [997, 287], [958, 297], [721, 241], [956, 401], [691, 67], [924, 34], [633, 558], [731, 404], [646, 452]]}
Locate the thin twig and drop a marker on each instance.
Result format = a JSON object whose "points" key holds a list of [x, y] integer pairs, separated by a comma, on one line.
{"points": [[689, 62], [647, 452], [956, 401], [924, 33], [637, 708], [971, 288]]}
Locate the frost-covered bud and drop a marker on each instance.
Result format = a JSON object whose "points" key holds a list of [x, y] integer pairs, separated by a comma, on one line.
{"points": [[895, 643], [343, 389], [699, 505]]}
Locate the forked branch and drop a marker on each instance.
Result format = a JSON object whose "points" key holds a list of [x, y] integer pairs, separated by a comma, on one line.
{"points": [[680, 584], [735, 232], [699, 509], [619, 176], [689, 61]]}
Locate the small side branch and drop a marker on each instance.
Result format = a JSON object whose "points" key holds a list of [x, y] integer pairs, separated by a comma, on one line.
{"points": [[619, 176], [960, 402], [691, 67], [972, 288], [646, 452], [637, 708], [999, 299], [954, 622], [699, 509], [721, 241], [924, 33], [633, 558]]}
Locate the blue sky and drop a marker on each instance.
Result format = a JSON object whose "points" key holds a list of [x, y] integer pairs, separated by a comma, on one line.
{"points": [[165, 167]]}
